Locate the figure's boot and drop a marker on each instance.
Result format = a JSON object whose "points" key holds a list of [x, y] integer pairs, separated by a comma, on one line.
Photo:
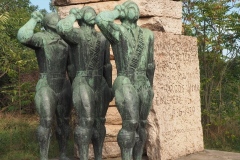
{"points": [[99, 134], [140, 141], [44, 135], [83, 138], [62, 135], [126, 140]]}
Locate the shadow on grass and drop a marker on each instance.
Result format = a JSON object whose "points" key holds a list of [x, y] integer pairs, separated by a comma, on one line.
{"points": [[18, 139]]}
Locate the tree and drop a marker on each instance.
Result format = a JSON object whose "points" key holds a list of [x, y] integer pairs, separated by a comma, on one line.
{"points": [[3, 20], [52, 7], [217, 28], [16, 61]]}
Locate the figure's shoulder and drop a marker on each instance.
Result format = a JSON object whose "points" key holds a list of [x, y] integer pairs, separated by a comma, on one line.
{"points": [[102, 37], [100, 34], [39, 38], [40, 35], [76, 32]]}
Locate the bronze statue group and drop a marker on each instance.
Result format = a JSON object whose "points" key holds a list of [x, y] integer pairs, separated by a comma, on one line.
{"points": [[75, 70]]}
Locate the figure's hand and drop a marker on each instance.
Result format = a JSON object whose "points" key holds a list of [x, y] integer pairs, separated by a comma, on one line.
{"points": [[121, 10], [76, 12], [37, 16], [63, 26]]}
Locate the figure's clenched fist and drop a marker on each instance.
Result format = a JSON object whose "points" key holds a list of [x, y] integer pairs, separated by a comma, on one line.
{"points": [[76, 12], [121, 10], [73, 11], [37, 16]]}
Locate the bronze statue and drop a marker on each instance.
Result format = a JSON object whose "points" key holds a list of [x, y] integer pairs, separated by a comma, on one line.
{"points": [[93, 82], [133, 51], [53, 90]]}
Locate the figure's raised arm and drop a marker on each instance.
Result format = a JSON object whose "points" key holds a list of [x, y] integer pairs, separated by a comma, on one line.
{"points": [[105, 21], [25, 33], [151, 62], [107, 68], [65, 26], [71, 70]]}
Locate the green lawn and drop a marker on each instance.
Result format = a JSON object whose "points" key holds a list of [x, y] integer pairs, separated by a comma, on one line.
{"points": [[18, 138]]}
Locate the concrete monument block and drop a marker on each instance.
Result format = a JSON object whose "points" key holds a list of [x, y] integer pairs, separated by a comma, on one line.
{"points": [[162, 15], [173, 9], [112, 131], [175, 120], [163, 24], [113, 117], [110, 150], [148, 8], [70, 2]]}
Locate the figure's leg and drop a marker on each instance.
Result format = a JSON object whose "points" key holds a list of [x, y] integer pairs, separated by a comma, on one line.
{"points": [[99, 132], [45, 105], [146, 97], [127, 103], [63, 116], [83, 101]]}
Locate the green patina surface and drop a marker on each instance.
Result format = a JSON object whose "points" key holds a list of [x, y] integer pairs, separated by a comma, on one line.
{"points": [[84, 54], [133, 51], [92, 86], [53, 90]]}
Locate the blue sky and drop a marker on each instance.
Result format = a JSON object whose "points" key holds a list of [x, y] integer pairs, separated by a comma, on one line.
{"points": [[42, 4]]}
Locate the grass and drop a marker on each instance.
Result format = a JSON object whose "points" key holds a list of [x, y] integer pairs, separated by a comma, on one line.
{"points": [[18, 138]]}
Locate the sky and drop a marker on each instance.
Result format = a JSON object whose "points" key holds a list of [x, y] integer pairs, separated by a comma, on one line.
{"points": [[42, 4]]}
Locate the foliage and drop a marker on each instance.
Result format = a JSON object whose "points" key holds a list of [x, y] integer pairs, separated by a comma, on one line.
{"points": [[3, 19], [52, 7], [217, 28], [18, 64]]}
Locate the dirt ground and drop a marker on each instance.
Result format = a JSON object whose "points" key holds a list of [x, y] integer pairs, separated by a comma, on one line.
{"points": [[212, 155], [204, 155]]}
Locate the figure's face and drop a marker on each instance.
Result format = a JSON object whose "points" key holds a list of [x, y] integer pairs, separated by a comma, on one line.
{"points": [[89, 17], [50, 21], [132, 13]]}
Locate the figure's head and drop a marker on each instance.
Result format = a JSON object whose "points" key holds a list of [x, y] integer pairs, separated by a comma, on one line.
{"points": [[50, 21], [88, 16], [131, 10]]}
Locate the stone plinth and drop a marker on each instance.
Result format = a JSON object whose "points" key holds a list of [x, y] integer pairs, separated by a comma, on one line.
{"points": [[175, 119]]}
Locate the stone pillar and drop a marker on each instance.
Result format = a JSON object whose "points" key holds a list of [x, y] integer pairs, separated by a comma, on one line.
{"points": [[175, 120], [174, 128]]}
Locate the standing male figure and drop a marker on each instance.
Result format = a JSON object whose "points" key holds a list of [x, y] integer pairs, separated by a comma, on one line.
{"points": [[53, 90], [93, 82], [133, 51]]}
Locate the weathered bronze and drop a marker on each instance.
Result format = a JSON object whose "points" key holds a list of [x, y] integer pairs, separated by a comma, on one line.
{"points": [[133, 51], [53, 90], [93, 82]]}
